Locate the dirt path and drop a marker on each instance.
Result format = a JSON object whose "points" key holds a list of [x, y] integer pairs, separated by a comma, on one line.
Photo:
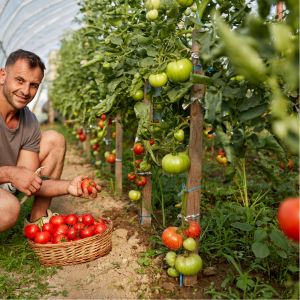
{"points": [[114, 275]]}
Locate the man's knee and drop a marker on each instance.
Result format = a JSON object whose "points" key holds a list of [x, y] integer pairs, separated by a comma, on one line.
{"points": [[9, 210], [52, 141]]}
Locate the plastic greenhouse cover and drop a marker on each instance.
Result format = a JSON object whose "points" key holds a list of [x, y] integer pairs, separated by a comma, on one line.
{"points": [[35, 25]]}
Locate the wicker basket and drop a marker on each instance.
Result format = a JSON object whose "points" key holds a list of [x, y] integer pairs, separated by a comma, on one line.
{"points": [[75, 252]]}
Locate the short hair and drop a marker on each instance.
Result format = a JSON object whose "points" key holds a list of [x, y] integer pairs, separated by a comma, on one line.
{"points": [[32, 59]]}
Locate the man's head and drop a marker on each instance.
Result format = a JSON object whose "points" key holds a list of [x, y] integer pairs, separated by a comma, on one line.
{"points": [[20, 79]]}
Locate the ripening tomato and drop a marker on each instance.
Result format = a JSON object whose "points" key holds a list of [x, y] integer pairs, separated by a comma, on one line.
{"points": [[31, 230], [222, 160], [101, 124], [194, 230], [71, 219], [180, 70], [158, 80], [111, 158], [289, 218], [57, 220], [42, 237], [171, 238], [138, 149], [88, 184], [141, 181], [131, 176], [88, 219]]}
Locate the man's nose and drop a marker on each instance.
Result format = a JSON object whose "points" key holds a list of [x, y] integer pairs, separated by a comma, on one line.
{"points": [[26, 89]]}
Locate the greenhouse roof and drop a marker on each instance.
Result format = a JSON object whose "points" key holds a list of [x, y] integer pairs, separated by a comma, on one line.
{"points": [[35, 25]]}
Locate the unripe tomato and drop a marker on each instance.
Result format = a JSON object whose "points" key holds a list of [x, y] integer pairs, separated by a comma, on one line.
{"points": [[152, 4], [189, 244], [158, 80], [145, 166], [190, 265], [106, 154], [179, 135], [185, 3], [175, 164], [152, 15], [134, 195], [138, 95], [222, 160], [170, 258], [180, 70], [172, 272], [289, 218]]}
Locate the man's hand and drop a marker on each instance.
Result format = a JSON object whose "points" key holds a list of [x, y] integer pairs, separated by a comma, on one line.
{"points": [[75, 188], [25, 180]]}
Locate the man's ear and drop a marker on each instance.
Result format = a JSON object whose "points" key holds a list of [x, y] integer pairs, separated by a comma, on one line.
{"points": [[2, 75]]}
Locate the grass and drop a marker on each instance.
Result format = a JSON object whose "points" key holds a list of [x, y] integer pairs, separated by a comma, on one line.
{"points": [[22, 276]]}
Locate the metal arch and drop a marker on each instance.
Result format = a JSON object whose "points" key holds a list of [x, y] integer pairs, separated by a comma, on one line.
{"points": [[41, 17], [68, 15]]}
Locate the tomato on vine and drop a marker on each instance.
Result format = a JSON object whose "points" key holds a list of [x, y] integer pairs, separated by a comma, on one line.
{"points": [[138, 149]]}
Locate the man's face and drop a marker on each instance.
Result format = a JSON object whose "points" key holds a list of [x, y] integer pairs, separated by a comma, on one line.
{"points": [[20, 83]]}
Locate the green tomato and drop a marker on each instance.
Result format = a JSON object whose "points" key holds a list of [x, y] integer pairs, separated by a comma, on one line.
{"points": [[152, 15], [152, 4], [180, 70], [95, 152], [145, 166], [138, 95], [179, 135], [134, 195], [170, 258], [186, 160], [194, 7], [189, 265], [190, 244], [106, 65], [175, 164], [172, 272], [158, 80], [187, 12], [98, 163], [106, 154], [185, 3]]}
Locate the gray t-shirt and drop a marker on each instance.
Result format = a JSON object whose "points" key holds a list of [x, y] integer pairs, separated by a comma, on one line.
{"points": [[27, 136]]}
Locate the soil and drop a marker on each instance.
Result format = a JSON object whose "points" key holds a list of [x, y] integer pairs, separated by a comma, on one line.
{"points": [[118, 275]]}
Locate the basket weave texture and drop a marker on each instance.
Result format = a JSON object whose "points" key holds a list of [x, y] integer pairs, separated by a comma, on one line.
{"points": [[75, 252]]}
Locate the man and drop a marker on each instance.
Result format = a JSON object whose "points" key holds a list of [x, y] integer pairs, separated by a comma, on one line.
{"points": [[24, 149]]}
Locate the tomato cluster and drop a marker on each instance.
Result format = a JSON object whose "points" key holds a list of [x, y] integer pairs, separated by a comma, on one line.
{"points": [[174, 238], [64, 228]]}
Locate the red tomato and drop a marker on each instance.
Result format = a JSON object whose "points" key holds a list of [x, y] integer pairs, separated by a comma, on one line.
{"points": [[289, 218], [103, 117], [95, 147], [151, 142], [88, 184], [42, 237], [141, 181], [171, 238], [71, 219], [60, 229], [48, 227], [82, 137], [86, 232], [79, 131], [59, 238], [71, 233], [99, 227], [138, 148], [111, 158], [57, 220], [131, 176], [31, 230], [78, 226], [88, 219], [194, 230]]}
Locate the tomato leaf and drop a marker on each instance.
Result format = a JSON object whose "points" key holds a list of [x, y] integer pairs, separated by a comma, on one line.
{"points": [[178, 92], [279, 240], [260, 235], [242, 226], [260, 250]]}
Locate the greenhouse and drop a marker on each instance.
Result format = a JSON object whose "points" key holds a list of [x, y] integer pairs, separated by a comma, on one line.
{"points": [[149, 149]]}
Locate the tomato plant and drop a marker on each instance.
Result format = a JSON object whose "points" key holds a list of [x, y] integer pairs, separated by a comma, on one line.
{"points": [[289, 218], [171, 238]]}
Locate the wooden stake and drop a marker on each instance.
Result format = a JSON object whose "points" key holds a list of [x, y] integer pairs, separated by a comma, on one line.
{"points": [[195, 149], [87, 146], [147, 191], [119, 164]]}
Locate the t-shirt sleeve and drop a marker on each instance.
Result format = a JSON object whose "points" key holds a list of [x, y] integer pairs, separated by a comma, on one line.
{"points": [[32, 134]]}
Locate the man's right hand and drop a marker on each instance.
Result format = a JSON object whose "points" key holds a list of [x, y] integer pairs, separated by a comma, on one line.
{"points": [[25, 180]]}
